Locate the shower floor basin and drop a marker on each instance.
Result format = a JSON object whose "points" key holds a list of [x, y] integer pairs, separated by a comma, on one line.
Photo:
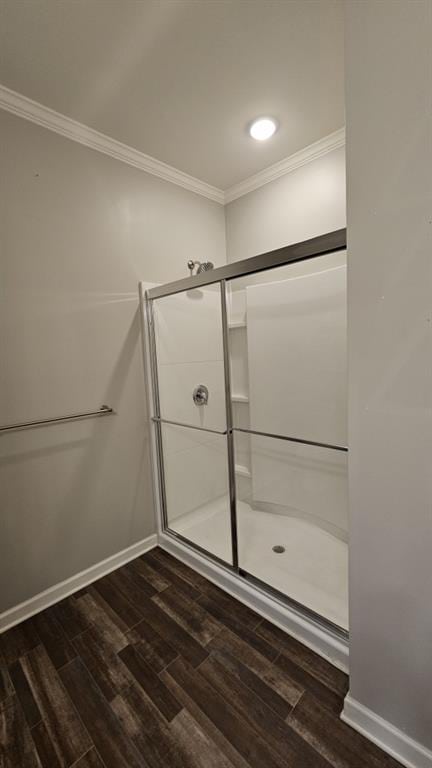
{"points": [[313, 569]]}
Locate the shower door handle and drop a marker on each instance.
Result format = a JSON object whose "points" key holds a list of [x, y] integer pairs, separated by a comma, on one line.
{"points": [[200, 395]]}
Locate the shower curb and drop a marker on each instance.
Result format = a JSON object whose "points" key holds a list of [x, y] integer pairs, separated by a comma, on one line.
{"points": [[317, 638]]}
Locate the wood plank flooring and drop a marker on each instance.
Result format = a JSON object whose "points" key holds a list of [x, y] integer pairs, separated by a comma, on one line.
{"points": [[153, 666]]}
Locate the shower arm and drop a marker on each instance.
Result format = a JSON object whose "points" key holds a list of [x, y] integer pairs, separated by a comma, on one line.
{"points": [[191, 265]]}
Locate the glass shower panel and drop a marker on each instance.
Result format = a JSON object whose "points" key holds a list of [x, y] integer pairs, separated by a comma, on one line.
{"points": [[191, 384], [292, 522], [189, 349], [197, 488], [287, 332], [287, 340]]}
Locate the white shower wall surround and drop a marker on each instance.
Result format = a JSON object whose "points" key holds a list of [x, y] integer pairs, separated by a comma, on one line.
{"points": [[296, 339], [190, 352], [296, 353], [302, 481], [196, 473]]}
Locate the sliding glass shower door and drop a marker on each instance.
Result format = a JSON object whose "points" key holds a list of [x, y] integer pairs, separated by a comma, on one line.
{"points": [[249, 378], [288, 371], [193, 418]]}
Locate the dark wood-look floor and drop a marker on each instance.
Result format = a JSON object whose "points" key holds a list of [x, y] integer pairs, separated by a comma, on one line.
{"points": [[154, 666]]}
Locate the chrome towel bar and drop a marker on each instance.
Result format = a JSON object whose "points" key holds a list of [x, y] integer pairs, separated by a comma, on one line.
{"points": [[157, 419], [104, 410], [292, 439]]}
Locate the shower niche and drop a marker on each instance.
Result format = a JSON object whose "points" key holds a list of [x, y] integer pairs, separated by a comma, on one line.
{"points": [[253, 473]]}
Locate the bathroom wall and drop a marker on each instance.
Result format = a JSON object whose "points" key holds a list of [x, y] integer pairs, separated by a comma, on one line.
{"points": [[389, 161], [306, 202], [79, 231]]}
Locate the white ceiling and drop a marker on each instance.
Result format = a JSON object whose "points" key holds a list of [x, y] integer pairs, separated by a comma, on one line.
{"points": [[181, 79]]}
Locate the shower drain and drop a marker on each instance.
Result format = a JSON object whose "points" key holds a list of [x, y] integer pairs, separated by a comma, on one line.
{"points": [[278, 548]]}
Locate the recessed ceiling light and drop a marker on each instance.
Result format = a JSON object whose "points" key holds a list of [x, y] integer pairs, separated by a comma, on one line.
{"points": [[263, 128]]}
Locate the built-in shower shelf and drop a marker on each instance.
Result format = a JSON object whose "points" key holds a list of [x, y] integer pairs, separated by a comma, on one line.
{"points": [[240, 398], [242, 471], [239, 324]]}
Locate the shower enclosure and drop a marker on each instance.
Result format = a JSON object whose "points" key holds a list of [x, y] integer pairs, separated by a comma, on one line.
{"points": [[248, 372]]}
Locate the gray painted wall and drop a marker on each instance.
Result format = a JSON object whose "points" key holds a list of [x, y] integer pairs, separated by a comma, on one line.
{"points": [[389, 161], [307, 202], [79, 230]]}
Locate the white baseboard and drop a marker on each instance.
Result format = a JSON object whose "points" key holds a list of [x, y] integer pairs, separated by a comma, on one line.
{"points": [[59, 591], [396, 743], [325, 643]]}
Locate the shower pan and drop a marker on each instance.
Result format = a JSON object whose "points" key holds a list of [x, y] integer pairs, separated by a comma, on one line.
{"points": [[248, 380]]}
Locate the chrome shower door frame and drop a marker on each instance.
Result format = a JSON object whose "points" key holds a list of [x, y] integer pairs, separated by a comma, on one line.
{"points": [[309, 249]]}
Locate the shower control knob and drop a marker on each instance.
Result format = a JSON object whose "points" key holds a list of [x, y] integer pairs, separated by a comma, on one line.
{"points": [[200, 395]]}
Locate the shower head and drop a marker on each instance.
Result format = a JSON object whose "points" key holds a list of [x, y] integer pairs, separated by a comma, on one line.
{"points": [[201, 266], [205, 266]]}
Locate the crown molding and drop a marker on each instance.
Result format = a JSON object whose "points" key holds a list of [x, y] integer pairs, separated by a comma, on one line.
{"points": [[291, 163], [31, 110], [20, 105]]}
